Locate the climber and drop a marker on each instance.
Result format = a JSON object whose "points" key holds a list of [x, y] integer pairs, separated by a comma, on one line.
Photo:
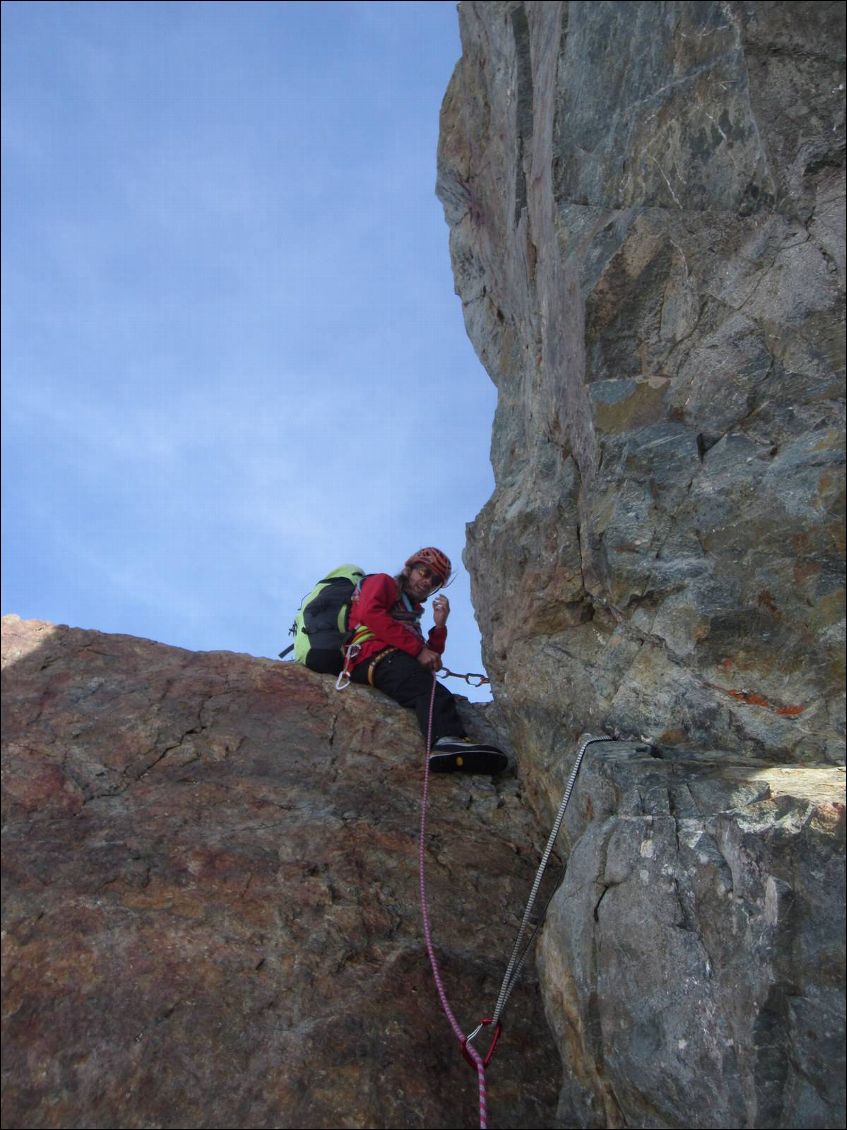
{"points": [[388, 650]]}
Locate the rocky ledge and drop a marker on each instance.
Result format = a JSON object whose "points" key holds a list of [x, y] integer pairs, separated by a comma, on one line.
{"points": [[211, 900]]}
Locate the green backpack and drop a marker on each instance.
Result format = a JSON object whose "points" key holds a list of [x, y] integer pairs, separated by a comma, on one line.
{"points": [[322, 619]]}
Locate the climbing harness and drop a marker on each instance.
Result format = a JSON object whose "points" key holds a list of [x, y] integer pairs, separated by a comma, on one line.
{"points": [[377, 659], [361, 634], [519, 952], [350, 653], [471, 678]]}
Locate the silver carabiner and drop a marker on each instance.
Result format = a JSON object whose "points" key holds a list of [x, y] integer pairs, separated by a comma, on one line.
{"points": [[350, 652]]}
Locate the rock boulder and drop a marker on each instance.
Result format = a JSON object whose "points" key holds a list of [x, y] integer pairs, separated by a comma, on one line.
{"points": [[211, 900]]}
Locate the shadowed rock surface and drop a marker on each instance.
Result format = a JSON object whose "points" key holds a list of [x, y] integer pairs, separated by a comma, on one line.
{"points": [[211, 900]]}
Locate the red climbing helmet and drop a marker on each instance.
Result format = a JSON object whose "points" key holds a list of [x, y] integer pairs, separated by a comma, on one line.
{"points": [[436, 560]]}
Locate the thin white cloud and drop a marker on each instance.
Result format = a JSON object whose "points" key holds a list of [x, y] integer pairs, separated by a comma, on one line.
{"points": [[232, 354]]}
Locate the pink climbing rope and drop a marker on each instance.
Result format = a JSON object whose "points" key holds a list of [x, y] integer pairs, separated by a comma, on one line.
{"points": [[469, 1050]]}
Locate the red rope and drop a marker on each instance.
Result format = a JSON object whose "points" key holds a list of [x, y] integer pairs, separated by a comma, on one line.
{"points": [[468, 1048]]}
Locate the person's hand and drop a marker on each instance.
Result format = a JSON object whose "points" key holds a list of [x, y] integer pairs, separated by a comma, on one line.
{"points": [[440, 610], [429, 659]]}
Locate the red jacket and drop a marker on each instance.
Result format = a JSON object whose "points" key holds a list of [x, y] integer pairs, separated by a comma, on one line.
{"points": [[374, 607]]}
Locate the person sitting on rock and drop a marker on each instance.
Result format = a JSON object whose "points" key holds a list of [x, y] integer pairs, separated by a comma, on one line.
{"points": [[388, 651]]}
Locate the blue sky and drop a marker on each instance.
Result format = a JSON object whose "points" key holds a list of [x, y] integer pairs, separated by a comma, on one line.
{"points": [[232, 355]]}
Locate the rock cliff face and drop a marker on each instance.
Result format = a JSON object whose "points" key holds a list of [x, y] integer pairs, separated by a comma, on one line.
{"points": [[693, 959], [211, 912], [646, 210], [646, 204]]}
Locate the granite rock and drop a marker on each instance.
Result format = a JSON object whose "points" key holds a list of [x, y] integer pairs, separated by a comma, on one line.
{"points": [[211, 908], [646, 213], [693, 957], [646, 210]]}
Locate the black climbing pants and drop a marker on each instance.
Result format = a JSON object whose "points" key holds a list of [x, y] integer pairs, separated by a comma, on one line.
{"points": [[401, 677]]}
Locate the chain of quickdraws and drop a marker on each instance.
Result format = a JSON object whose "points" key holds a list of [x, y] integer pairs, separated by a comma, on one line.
{"points": [[471, 678]]}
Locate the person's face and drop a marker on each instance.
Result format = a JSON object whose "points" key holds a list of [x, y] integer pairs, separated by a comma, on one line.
{"points": [[422, 580]]}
